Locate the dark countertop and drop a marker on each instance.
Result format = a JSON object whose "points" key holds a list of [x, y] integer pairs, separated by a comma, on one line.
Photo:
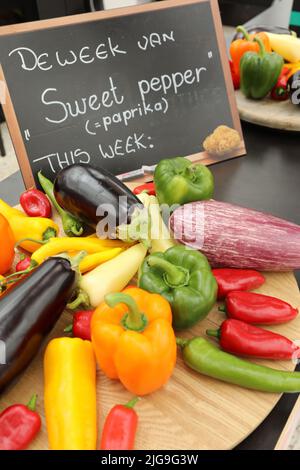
{"points": [[266, 179]]}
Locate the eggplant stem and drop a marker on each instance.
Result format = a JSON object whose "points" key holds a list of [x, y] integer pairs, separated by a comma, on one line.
{"points": [[81, 299]]}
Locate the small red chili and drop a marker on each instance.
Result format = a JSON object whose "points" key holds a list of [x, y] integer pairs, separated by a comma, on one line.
{"points": [[262, 309], [236, 280], [36, 204], [81, 327], [148, 188], [19, 424], [280, 92], [120, 427], [23, 264], [236, 79]]}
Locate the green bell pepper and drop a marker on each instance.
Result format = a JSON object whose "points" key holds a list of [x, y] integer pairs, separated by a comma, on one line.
{"points": [[178, 181], [259, 72], [183, 276]]}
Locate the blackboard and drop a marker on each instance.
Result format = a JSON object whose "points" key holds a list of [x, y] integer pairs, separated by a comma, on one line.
{"points": [[120, 89]]}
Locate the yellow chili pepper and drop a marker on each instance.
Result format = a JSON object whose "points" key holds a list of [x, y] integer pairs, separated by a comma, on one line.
{"points": [[94, 260], [60, 245], [70, 394], [33, 228], [9, 211]]}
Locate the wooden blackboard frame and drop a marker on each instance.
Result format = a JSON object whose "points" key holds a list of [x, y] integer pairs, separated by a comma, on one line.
{"points": [[8, 107]]}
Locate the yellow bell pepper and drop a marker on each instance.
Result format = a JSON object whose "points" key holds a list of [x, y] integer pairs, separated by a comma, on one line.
{"points": [[56, 246], [70, 394], [285, 45], [9, 211], [33, 228], [92, 261]]}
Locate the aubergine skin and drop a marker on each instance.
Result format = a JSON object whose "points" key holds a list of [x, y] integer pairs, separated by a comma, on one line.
{"points": [[29, 311], [81, 189]]}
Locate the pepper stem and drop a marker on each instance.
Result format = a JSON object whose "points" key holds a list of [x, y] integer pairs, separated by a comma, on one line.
{"points": [[40, 242], [181, 342], [50, 232], [174, 276], [132, 402], [262, 49], [68, 328], [214, 333], [222, 309], [81, 299], [133, 320], [32, 402], [241, 29]]}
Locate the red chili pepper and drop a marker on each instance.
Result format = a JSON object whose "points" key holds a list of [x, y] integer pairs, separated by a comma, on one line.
{"points": [[19, 424], [145, 188], [81, 327], [23, 264], [120, 427], [258, 308], [280, 92], [236, 280], [237, 337], [36, 204], [235, 76]]}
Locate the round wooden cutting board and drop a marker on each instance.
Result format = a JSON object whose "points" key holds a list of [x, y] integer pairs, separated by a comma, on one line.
{"points": [[269, 113], [191, 411]]}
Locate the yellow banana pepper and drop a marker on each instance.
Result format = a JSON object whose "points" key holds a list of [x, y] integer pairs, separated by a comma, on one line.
{"points": [[94, 260], [56, 246], [70, 394], [285, 45], [9, 211], [32, 228]]}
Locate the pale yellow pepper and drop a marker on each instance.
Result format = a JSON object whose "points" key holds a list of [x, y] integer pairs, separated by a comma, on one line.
{"points": [[70, 394]]}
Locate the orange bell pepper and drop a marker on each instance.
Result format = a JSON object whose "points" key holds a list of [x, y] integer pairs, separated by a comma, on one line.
{"points": [[133, 339], [240, 46], [7, 243]]}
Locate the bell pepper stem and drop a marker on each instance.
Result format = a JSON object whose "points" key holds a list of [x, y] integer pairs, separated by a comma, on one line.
{"points": [[181, 342], [262, 49], [68, 329], [133, 320], [132, 402], [174, 276], [81, 299], [32, 403], [214, 333], [241, 29], [222, 309]]}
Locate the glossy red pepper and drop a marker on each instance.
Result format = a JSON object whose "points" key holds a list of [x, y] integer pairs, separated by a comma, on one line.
{"points": [[239, 338], [281, 91], [36, 204], [81, 327], [19, 424], [23, 264], [236, 280], [120, 427], [145, 188], [236, 79], [258, 308]]}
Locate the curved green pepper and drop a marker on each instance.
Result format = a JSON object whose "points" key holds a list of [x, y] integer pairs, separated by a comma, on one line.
{"points": [[259, 72], [178, 181], [183, 276]]}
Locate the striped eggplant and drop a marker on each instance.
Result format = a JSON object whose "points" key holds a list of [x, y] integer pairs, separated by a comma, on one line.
{"points": [[236, 237]]}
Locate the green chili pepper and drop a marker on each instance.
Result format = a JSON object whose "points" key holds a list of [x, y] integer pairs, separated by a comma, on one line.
{"points": [[183, 276], [201, 356], [178, 181], [259, 72], [72, 226]]}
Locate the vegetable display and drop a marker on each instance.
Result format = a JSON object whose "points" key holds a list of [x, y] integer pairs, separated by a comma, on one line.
{"points": [[205, 358], [7, 243], [134, 341], [184, 278], [259, 72], [120, 427], [258, 309], [19, 425], [70, 394], [178, 181], [35, 204], [229, 280], [29, 311], [236, 237], [242, 339]]}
